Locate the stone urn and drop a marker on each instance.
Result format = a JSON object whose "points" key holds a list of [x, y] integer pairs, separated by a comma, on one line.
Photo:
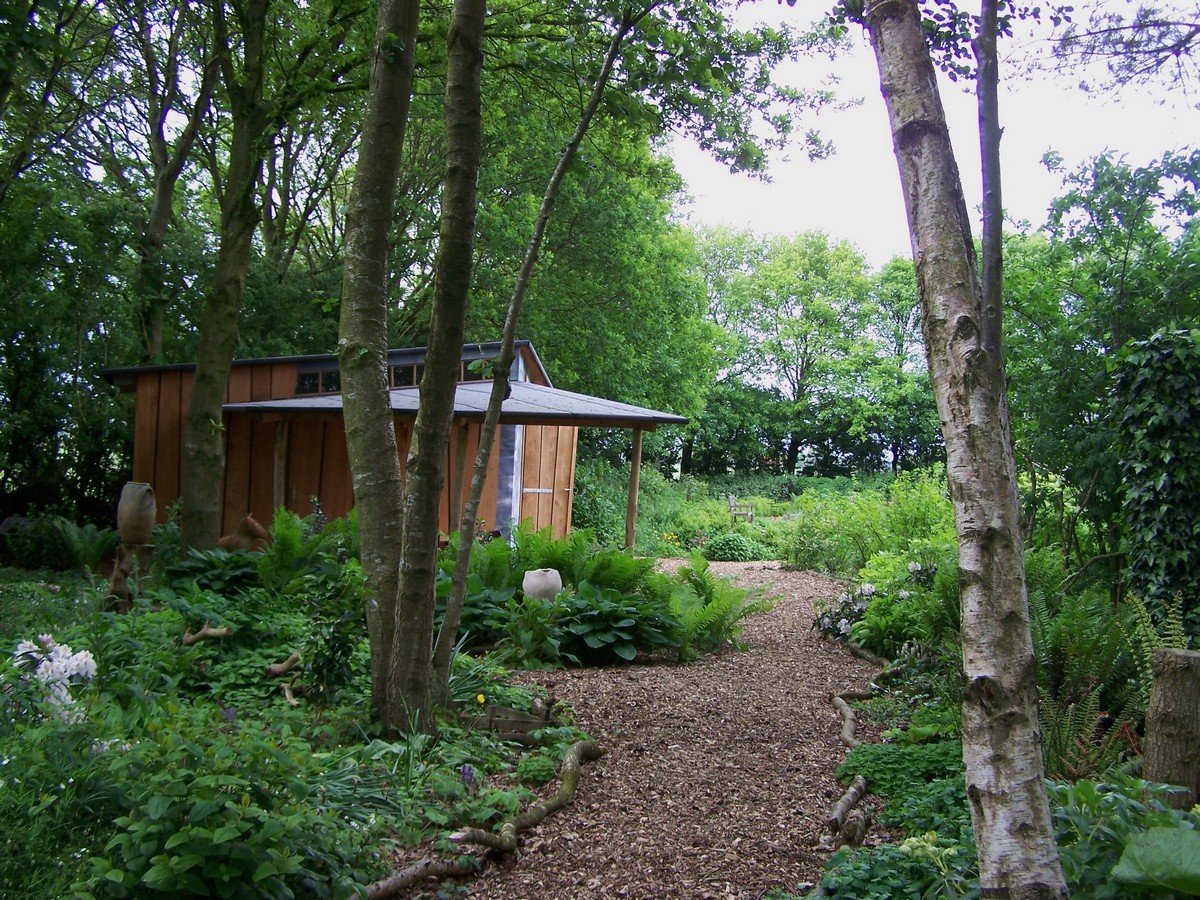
{"points": [[543, 584], [136, 513]]}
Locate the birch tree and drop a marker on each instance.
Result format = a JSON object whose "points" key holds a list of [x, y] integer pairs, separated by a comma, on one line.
{"points": [[961, 323]]}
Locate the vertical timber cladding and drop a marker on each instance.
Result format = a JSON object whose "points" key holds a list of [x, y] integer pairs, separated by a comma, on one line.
{"points": [[250, 452], [158, 460], [548, 477], [460, 469], [145, 435]]}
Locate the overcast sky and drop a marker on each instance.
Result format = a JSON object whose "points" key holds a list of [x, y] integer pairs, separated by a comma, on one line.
{"points": [[855, 195]]}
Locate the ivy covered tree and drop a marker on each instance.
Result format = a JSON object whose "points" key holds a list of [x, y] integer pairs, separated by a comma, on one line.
{"points": [[1157, 399]]}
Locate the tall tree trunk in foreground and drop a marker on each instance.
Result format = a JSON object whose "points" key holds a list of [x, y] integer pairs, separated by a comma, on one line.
{"points": [[1001, 741], [362, 340], [204, 443], [448, 635], [412, 642]]}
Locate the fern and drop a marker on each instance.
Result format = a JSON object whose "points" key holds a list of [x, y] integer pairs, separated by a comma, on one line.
{"points": [[693, 616], [615, 569], [569, 555], [493, 562], [1145, 636], [1040, 618], [710, 609], [88, 544], [1079, 740]]}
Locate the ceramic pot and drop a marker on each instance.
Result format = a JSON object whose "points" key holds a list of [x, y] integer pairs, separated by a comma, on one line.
{"points": [[136, 513]]}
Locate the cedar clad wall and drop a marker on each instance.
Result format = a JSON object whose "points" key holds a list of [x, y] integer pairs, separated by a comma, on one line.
{"points": [[274, 459]]}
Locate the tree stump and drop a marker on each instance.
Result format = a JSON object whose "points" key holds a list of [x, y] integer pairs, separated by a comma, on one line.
{"points": [[1172, 750]]}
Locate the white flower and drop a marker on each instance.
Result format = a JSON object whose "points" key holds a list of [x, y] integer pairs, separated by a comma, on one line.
{"points": [[904, 595], [56, 665], [914, 567], [844, 626], [867, 590]]}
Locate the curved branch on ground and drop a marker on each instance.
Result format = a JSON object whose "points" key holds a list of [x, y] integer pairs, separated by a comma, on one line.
{"points": [[841, 809], [205, 633], [504, 841], [849, 722], [429, 867], [278, 670]]}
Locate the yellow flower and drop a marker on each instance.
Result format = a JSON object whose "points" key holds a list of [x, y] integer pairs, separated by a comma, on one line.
{"points": [[480, 699]]}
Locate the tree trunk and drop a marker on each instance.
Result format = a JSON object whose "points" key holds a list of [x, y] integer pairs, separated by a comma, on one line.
{"points": [[792, 456], [362, 341], [1001, 742], [1172, 754], [167, 162], [412, 643], [448, 635], [204, 442]]}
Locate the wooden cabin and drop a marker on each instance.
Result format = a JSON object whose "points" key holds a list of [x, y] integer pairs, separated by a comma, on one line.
{"points": [[285, 444]]}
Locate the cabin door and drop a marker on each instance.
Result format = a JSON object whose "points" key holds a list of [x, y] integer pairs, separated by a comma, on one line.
{"points": [[548, 477]]}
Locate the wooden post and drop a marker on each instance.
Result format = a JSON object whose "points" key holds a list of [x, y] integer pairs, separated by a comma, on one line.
{"points": [[1172, 752], [635, 473]]}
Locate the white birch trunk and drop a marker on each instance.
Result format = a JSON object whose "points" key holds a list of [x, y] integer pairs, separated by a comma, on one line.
{"points": [[1001, 740]]}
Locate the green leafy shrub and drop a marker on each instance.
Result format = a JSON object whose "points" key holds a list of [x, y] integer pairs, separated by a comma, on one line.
{"points": [[609, 567], [929, 723], [336, 629], [55, 801], [535, 770], [218, 811], [697, 522], [733, 547], [926, 865], [892, 768], [39, 543], [30, 606], [220, 571], [840, 532], [602, 625], [530, 634], [598, 501], [1094, 824]]}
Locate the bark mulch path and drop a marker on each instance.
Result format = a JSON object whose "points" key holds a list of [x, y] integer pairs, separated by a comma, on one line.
{"points": [[717, 775]]}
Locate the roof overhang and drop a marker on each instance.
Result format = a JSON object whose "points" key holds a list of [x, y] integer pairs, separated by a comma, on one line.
{"points": [[527, 404]]}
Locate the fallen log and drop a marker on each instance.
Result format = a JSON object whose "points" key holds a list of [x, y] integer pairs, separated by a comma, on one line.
{"points": [[866, 655], [841, 809], [429, 867], [849, 722], [504, 841]]}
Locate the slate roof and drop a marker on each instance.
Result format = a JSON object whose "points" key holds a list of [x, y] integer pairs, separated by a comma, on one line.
{"points": [[527, 404]]}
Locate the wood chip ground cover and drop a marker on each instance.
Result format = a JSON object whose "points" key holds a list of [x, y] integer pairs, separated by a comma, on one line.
{"points": [[717, 775]]}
